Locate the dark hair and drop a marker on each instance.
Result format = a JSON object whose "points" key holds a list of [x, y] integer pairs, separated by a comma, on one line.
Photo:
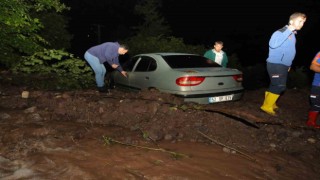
{"points": [[219, 42], [124, 46]]}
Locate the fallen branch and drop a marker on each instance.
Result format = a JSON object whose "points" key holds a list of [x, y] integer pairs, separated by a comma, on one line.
{"points": [[146, 136], [242, 153], [109, 140]]}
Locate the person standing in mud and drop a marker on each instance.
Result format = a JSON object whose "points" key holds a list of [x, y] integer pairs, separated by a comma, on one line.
{"points": [[108, 52], [315, 93], [282, 50]]}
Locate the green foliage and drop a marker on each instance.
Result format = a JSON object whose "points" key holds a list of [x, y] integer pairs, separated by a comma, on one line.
{"points": [[69, 72], [18, 30], [142, 44], [54, 30], [154, 24], [154, 34]]}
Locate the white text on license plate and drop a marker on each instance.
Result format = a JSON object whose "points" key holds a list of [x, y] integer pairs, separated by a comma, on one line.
{"points": [[220, 98]]}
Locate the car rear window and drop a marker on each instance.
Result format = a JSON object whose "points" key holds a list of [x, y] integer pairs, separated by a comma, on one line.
{"points": [[188, 61]]}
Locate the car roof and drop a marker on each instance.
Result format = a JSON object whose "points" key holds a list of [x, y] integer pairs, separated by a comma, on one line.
{"points": [[166, 53]]}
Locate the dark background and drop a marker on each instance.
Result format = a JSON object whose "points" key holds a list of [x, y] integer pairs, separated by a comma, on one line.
{"points": [[245, 27]]}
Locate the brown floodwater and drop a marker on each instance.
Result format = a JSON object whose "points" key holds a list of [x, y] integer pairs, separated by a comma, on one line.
{"points": [[43, 154]]}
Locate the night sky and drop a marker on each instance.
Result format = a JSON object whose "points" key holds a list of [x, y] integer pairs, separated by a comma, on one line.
{"points": [[244, 27]]}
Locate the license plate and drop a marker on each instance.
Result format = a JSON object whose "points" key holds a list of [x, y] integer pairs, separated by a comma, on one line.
{"points": [[220, 98]]}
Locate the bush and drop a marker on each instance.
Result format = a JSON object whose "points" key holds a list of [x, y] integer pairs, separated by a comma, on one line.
{"points": [[150, 44], [62, 68]]}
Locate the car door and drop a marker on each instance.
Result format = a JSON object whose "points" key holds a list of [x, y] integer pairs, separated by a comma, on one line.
{"points": [[143, 75], [119, 79]]}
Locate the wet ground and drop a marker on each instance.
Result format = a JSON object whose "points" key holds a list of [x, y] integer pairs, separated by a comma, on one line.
{"points": [[151, 135]]}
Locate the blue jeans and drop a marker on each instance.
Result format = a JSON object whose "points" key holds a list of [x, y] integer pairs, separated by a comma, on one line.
{"points": [[278, 74], [98, 68]]}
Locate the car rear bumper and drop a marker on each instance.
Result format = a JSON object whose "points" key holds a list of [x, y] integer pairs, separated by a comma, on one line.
{"points": [[204, 98]]}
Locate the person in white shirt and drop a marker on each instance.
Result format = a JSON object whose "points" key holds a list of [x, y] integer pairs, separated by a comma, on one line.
{"points": [[217, 55]]}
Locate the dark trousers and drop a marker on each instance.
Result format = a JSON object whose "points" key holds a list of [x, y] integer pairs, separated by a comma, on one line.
{"points": [[278, 74], [315, 98]]}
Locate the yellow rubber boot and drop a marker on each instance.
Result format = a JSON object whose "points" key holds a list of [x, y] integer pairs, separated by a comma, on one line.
{"points": [[269, 100], [275, 107]]}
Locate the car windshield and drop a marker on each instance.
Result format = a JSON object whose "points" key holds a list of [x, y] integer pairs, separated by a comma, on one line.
{"points": [[188, 61]]}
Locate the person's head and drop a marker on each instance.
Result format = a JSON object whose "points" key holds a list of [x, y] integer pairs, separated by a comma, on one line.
{"points": [[297, 20], [123, 49], [218, 45]]}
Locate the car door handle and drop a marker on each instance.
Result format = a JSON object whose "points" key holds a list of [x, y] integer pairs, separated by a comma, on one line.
{"points": [[147, 78]]}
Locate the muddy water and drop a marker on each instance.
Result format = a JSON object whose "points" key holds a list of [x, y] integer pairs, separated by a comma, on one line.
{"points": [[61, 151]]}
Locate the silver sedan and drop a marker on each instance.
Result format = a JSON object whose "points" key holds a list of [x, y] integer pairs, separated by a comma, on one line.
{"points": [[190, 76]]}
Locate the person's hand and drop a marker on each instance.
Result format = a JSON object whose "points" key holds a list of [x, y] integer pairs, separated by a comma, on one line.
{"points": [[114, 66], [289, 69], [124, 73]]}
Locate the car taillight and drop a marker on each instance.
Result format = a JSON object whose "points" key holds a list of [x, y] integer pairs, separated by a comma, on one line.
{"points": [[190, 81], [238, 77]]}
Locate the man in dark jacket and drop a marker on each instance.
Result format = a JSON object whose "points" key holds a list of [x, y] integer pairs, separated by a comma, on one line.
{"points": [[108, 52]]}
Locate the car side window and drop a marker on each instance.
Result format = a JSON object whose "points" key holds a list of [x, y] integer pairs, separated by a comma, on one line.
{"points": [[153, 65], [128, 66], [146, 64]]}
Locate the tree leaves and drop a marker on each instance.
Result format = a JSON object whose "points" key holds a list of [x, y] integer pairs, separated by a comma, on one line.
{"points": [[19, 30]]}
